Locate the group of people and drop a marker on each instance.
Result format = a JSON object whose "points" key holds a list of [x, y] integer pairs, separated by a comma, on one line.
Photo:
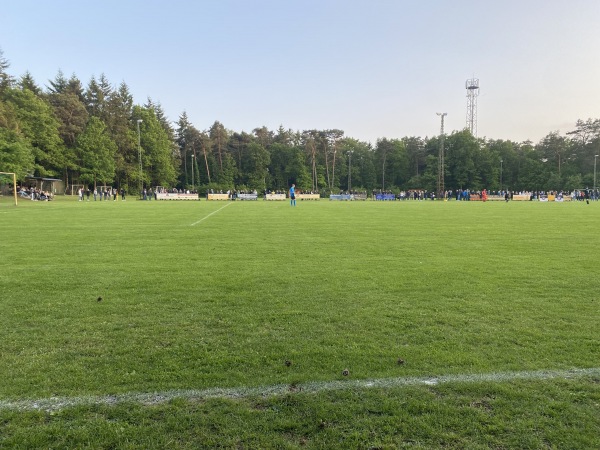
{"points": [[585, 194], [100, 194], [35, 194], [575, 195], [148, 194], [460, 194], [411, 194], [163, 190]]}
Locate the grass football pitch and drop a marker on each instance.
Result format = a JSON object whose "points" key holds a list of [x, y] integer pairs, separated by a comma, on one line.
{"points": [[329, 325]]}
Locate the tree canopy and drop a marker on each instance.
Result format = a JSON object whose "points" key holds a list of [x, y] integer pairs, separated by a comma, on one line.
{"points": [[88, 134]]}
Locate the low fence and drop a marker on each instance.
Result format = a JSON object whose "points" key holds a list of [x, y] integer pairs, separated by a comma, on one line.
{"points": [[351, 197], [308, 197], [385, 197], [217, 196], [174, 196], [348, 197], [275, 197], [247, 196], [341, 197]]}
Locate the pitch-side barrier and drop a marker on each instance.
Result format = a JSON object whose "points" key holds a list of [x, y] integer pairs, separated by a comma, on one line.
{"points": [[247, 196], [308, 197], [217, 197], [174, 196], [346, 197], [275, 197]]}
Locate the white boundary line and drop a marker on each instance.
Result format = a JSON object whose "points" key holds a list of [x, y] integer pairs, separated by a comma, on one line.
{"points": [[214, 212], [58, 403]]}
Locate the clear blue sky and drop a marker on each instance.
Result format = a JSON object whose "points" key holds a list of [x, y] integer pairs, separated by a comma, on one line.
{"points": [[372, 68]]}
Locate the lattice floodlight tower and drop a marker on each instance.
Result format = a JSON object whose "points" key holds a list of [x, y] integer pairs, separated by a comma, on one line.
{"points": [[472, 87]]}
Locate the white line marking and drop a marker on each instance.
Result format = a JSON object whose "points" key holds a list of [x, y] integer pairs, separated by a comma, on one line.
{"points": [[57, 403], [214, 212]]}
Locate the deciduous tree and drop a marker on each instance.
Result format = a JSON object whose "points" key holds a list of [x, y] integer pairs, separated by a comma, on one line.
{"points": [[97, 153]]}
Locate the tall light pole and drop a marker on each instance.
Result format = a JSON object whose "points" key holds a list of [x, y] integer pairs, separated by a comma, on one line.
{"points": [[350, 171], [193, 170], [595, 158], [383, 173], [500, 174], [440, 184], [140, 154]]}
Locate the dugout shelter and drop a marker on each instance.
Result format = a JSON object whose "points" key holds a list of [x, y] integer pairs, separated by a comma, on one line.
{"points": [[52, 185]]}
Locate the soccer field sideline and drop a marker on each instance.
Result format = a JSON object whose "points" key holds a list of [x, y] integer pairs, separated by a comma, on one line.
{"points": [[153, 398]]}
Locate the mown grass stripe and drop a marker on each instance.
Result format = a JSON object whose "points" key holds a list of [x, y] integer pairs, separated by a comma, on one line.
{"points": [[58, 403]]}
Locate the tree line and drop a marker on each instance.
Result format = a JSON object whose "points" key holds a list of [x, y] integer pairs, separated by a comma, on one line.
{"points": [[95, 134]]}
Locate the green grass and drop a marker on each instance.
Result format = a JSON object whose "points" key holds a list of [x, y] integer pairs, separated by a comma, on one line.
{"points": [[451, 288]]}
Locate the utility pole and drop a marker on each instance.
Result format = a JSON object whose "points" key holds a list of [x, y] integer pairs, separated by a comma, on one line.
{"points": [[595, 158], [140, 154], [350, 171], [193, 170], [440, 182]]}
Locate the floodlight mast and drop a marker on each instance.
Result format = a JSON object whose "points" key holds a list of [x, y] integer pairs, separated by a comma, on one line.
{"points": [[140, 154], [472, 87], [440, 181], [350, 171], [595, 158], [193, 170]]}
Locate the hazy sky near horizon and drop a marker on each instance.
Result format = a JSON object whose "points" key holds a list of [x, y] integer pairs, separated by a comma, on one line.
{"points": [[373, 68]]}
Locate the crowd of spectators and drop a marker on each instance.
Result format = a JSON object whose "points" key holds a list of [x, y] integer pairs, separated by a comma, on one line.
{"points": [[163, 190], [467, 194], [587, 194], [108, 193], [100, 193], [411, 194], [34, 194], [235, 194]]}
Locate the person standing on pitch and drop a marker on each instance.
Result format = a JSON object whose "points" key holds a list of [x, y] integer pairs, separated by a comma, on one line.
{"points": [[293, 195]]}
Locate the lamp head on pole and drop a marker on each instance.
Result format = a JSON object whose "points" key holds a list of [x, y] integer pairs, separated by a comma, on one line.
{"points": [[139, 121]]}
